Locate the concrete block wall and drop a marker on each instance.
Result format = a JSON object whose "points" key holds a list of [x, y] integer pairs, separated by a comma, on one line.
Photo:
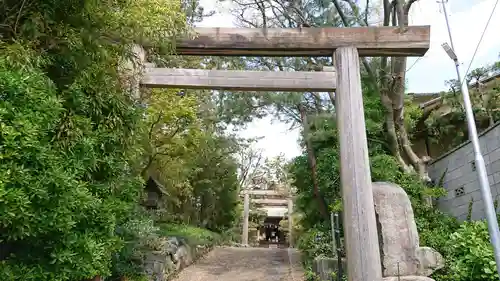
{"points": [[460, 177]]}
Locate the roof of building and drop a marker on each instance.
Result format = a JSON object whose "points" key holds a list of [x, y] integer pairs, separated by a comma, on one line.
{"points": [[429, 99], [155, 185]]}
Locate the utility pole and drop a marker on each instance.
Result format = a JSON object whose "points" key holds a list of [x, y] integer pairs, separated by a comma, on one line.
{"points": [[478, 157]]}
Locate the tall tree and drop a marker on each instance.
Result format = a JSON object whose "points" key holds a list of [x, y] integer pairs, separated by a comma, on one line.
{"points": [[250, 161], [69, 130], [386, 75], [388, 79]]}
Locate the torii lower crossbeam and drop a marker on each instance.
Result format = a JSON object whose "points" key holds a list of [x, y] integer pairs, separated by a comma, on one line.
{"points": [[239, 80]]}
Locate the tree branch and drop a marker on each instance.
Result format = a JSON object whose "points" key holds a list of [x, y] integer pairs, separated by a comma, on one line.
{"points": [[407, 6], [366, 11], [368, 69], [355, 10], [160, 115]]}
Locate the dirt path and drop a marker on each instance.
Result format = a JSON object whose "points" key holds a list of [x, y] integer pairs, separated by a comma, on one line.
{"points": [[245, 264]]}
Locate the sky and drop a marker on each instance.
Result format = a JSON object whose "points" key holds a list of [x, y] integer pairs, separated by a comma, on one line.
{"points": [[467, 20]]}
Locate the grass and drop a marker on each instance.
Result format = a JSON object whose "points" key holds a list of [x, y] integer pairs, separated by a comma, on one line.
{"points": [[193, 235]]}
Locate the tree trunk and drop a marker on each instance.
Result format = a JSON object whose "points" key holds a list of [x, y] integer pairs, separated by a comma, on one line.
{"points": [[312, 162], [391, 131], [401, 11], [391, 87]]}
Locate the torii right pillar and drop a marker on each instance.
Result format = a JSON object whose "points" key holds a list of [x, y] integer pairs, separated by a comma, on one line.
{"points": [[360, 228]]}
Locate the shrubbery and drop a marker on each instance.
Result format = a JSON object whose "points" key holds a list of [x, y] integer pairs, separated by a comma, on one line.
{"points": [[465, 246], [72, 142], [65, 181], [141, 235], [435, 228], [469, 254]]}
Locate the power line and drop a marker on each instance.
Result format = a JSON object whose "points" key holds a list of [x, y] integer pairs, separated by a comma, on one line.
{"points": [[419, 58], [484, 184], [480, 40], [414, 63]]}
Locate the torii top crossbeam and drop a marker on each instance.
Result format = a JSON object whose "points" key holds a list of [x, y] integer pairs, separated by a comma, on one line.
{"points": [[306, 42]]}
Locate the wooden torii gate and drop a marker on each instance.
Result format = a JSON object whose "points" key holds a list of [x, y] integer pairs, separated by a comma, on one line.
{"points": [[288, 203], [346, 45]]}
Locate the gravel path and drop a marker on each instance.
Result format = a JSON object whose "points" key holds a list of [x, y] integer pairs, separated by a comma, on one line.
{"points": [[245, 264]]}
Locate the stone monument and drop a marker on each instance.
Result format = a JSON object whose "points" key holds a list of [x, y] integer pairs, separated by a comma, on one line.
{"points": [[398, 237]]}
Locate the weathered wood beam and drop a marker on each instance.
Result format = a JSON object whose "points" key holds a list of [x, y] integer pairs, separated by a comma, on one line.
{"points": [[271, 202], [239, 80], [360, 227], [306, 42], [265, 193], [246, 215], [290, 223]]}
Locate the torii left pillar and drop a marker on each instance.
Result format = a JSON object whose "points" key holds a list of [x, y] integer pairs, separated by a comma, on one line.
{"points": [[246, 213], [290, 222]]}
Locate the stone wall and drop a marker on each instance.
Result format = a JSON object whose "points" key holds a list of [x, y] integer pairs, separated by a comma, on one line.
{"points": [[460, 176], [174, 255]]}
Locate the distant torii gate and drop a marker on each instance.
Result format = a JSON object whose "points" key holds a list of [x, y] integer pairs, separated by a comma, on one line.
{"points": [[266, 202], [346, 45]]}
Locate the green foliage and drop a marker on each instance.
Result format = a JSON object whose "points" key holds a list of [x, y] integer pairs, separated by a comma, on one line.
{"points": [[434, 227], [189, 154], [447, 126], [309, 275], [315, 243], [470, 254], [256, 216], [138, 236], [413, 114], [70, 136], [70, 28], [193, 235], [65, 181], [142, 235]]}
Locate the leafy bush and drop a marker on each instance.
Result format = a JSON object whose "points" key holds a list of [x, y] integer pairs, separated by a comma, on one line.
{"points": [[193, 235], [310, 275], [470, 255], [68, 132], [65, 180], [434, 226], [139, 235], [315, 243]]}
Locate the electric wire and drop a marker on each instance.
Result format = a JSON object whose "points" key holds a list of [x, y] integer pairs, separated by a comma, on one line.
{"points": [[414, 63], [480, 40]]}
